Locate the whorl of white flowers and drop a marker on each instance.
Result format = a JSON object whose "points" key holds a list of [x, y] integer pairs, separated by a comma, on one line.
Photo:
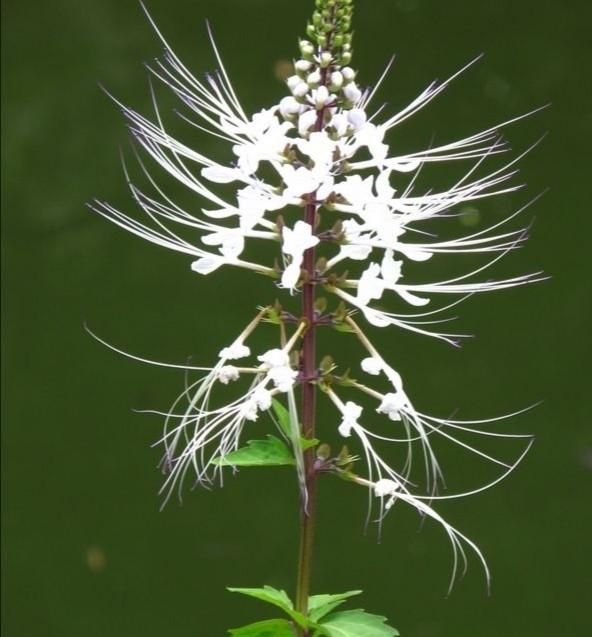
{"points": [[325, 147]]}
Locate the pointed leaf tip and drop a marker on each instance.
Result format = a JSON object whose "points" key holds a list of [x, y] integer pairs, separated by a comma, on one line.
{"points": [[266, 628], [355, 623], [271, 452]]}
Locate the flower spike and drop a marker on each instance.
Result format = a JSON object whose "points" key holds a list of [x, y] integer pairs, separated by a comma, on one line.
{"points": [[315, 180]]}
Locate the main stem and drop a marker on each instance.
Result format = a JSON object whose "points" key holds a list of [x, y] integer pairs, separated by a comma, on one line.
{"points": [[309, 373], [307, 504]]}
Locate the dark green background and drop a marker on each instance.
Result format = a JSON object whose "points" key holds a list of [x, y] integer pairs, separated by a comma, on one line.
{"points": [[86, 551]]}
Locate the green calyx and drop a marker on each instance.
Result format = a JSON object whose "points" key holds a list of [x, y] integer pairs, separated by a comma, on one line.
{"points": [[330, 28]]}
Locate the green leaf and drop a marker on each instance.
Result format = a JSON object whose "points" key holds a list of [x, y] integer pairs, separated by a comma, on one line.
{"points": [[277, 598], [258, 453], [308, 443], [321, 605], [267, 628], [354, 623], [283, 417]]}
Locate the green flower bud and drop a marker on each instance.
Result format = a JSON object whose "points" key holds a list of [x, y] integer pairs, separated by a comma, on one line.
{"points": [[306, 48], [330, 29]]}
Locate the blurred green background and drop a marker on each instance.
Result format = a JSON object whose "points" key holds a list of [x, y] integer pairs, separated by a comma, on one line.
{"points": [[86, 550]]}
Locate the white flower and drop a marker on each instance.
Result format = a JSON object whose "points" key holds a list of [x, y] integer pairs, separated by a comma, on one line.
{"points": [[291, 275], [349, 418], [283, 378], [392, 404], [385, 487], [295, 242], [227, 374], [390, 269], [299, 181], [320, 148], [234, 352], [249, 410], [372, 365], [277, 364], [274, 358], [207, 265], [231, 242], [370, 285], [262, 398]]}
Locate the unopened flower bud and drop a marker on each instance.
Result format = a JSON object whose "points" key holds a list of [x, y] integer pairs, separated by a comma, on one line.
{"points": [[336, 80], [348, 74], [300, 90], [339, 123], [306, 121], [352, 93], [325, 59], [293, 82], [306, 49], [321, 97], [346, 57], [356, 118], [289, 107], [314, 78], [302, 66]]}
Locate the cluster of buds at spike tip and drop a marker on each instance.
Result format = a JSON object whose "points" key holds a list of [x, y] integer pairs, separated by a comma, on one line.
{"points": [[322, 76], [324, 146], [330, 32]]}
